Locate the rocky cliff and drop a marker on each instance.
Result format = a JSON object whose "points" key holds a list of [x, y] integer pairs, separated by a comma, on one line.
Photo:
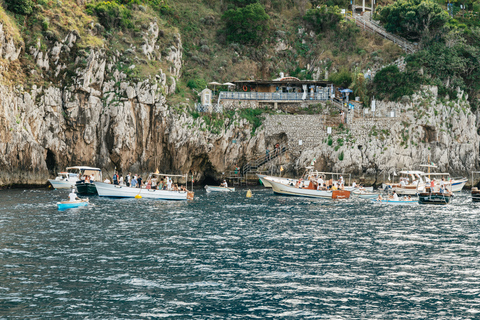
{"points": [[87, 109]]}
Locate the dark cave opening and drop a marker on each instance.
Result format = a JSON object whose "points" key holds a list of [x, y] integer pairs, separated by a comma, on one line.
{"points": [[51, 162]]}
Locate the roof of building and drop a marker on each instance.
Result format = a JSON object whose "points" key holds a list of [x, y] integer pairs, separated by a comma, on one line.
{"points": [[283, 80]]}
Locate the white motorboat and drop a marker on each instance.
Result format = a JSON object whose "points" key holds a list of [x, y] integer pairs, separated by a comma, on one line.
{"points": [[68, 179], [218, 189], [117, 191], [120, 191], [310, 191], [266, 183], [452, 184]]}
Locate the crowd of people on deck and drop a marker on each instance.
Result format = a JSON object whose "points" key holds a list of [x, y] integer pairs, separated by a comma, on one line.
{"points": [[136, 181]]}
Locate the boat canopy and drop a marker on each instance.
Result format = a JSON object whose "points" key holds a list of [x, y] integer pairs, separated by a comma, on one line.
{"points": [[83, 168], [169, 175], [411, 172], [428, 166], [435, 174]]}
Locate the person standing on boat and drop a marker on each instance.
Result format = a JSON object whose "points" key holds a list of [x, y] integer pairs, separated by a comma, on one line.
{"points": [[139, 181], [133, 183], [442, 185], [432, 185], [115, 178], [120, 181], [395, 196], [73, 196], [128, 178]]}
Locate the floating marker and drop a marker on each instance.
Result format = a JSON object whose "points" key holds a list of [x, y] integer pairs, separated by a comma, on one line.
{"points": [[138, 196], [249, 193]]}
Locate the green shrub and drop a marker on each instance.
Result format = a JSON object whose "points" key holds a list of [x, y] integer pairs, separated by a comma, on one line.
{"points": [[111, 14], [253, 116], [323, 18], [340, 156], [197, 84], [248, 25], [390, 83], [23, 7], [343, 78], [411, 18]]}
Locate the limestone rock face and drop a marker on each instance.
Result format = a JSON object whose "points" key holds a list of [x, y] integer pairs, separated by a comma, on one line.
{"points": [[96, 115], [103, 119]]}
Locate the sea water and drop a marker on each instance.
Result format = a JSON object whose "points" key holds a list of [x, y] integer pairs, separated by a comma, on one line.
{"points": [[225, 256]]}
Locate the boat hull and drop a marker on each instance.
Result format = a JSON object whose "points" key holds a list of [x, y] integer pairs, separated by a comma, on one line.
{"points": [[309, 193], [365, 195], [266, 180], [476, 195], [458, 184], [63, 184], [218, 189], [434, 198], [70, 205], [116, 191], [86, 188]]}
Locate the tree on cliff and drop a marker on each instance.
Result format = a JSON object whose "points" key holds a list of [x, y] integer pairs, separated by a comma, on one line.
{"points": [[413, 19], [23, 7], [248, 25]]}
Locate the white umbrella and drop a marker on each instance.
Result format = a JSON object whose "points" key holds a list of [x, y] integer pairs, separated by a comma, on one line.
{"points": [[214, 84], [229, 84]]}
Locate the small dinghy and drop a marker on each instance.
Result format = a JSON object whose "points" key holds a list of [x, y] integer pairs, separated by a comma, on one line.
{"points": [[72, 204], [396, 202], [218, 189]]}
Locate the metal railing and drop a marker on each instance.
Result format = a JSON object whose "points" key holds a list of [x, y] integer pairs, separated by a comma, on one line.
{"points": [[280, 96], [255, 164], [375, 27]]}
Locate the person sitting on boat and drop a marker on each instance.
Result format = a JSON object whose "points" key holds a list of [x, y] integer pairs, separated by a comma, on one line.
{"points": [[87, 179], [334, 187], [224, 184], [73, 196], [409, 198], [380, 198], [92, 178], [354, 184], [427, 180], [107, 181], [402, 183]]}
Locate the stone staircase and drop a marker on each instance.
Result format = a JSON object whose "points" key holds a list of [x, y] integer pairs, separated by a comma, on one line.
{"points": [[257, 163]]}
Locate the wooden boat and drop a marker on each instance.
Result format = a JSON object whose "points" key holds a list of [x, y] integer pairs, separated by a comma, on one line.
{"points": [[436, 198], [218, 189], [72, 204], [72, 175], [475, 194], [310, 191], [409, 189]]}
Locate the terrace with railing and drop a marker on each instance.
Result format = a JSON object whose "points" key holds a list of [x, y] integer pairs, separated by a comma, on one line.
{"points": [[321, 95]]}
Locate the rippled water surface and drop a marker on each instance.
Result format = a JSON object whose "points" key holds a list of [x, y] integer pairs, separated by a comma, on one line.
{"points": [[223, 256]]}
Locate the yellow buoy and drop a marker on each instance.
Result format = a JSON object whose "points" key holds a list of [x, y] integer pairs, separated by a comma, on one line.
{"points": [[249, 193], [138, 196]]}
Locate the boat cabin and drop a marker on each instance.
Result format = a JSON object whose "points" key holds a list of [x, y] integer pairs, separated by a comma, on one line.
{"points": [[79, 171]]}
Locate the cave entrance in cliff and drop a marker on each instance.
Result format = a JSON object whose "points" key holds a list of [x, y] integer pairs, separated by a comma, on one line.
{"points": [[210, 179], [51, 162]]}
